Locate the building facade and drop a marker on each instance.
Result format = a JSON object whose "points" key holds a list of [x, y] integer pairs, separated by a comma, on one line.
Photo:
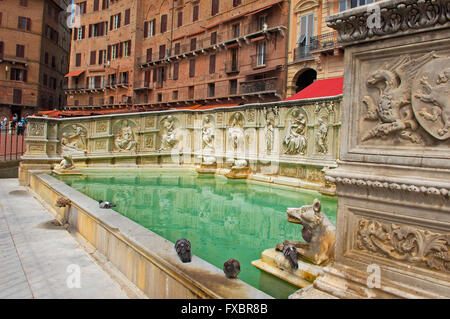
{"points": [[178, 53], [314, 50], [34, 51]]}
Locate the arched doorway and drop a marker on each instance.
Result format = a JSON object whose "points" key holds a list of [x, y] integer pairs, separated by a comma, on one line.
{"points": [[305, 78]]}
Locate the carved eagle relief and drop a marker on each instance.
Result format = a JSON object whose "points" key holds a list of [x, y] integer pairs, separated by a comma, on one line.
{"points": [[393, 106]]}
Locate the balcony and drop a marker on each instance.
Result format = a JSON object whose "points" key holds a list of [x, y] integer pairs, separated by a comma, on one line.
{"points": [[117, 83], [143, 85], [323, 43], [261, 86], [78, 89], [13, 59]]}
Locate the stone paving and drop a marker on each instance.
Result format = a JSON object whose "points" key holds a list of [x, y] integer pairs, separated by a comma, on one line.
{"points": [[35, 253]]}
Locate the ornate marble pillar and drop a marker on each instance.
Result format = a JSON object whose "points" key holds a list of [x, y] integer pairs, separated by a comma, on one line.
{"points": [[393, 177]]}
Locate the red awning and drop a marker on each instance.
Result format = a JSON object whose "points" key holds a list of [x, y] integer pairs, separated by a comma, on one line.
{"points": [[74, 73], [320, 88], [258, 38]]}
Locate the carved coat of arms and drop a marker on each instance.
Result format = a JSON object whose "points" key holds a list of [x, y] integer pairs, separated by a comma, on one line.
{"points": [[412, 93]]}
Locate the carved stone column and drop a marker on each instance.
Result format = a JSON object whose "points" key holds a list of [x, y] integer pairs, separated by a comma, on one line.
{"points": [[393, 179]]}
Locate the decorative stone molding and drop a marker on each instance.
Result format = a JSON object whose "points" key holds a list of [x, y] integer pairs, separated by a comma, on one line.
{"points": [[386, 183], [405, 243], [305, 5], [397, 17]]}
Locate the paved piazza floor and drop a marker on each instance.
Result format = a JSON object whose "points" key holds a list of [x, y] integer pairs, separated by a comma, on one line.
{"points": [[38, 258]]}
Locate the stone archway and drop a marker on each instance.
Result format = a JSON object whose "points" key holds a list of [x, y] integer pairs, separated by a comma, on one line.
{"points": [[304, 78]]}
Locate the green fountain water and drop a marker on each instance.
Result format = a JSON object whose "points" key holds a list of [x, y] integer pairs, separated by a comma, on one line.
{"points": [[222, 218]]}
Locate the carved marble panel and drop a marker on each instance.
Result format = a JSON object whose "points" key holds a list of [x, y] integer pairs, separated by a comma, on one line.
{"points": [[73, 138], [124, 132]]}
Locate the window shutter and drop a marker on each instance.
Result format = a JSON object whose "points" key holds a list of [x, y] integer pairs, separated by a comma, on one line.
{"points": [[193, 44], [111, 23], [120, 49], [149, 54], [155, 74], [195, 14], [213, 38], [96, 5], [127, 17], [212, 63], [90, 30], [93, 57], [83, 32], [215, 7], [28, 24], [180, 19], [109, 52], [1, 50], [146, 29], [129, 48], [100, 57], [192, 68], [163, 23], [78, 59], [176, 68], [75, 32], [24, 75], [120, 18]]}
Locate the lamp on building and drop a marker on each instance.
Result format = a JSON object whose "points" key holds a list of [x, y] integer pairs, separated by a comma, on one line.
{"points": [[6, 68]]}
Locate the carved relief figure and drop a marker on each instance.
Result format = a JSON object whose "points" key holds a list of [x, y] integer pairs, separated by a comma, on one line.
{"points": [[67, 162], [432, 104], [295, 140], [208, 134], [169, 137], [73, 138], [318, 232], [36, 129], [406, 243], [393, 109], [125, 140], [236, 131], [270, 127], [321, 136]]}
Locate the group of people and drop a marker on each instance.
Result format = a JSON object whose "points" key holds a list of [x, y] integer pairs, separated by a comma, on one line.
{"points": [[14, 123]]}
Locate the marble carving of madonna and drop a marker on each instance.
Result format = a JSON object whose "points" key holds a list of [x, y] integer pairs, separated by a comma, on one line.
{"points": [[295, 140]]}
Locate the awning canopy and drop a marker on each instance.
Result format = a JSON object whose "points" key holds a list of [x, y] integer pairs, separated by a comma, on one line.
{"points": [[320, 88], [74, 73]]}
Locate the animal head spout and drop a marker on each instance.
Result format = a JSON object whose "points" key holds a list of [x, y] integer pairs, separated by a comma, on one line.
{"points": [[183, 249], [308, 215]]}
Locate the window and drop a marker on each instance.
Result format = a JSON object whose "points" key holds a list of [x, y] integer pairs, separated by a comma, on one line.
{"points": [[180, 19], [211, 89], [96, 5], [115, 22], [24, 23], [17, 96], [191, 68], [93, 57], [214, 7], [80, 33], [195, 14], [127, 17], [149, 55], [162, 51], [347, 4], [20, 51], [191, 93], [149, 28], [105, 4], [214, 38], [236, 3], [53, 62], [46, 58], [261, 54], [175, 95], [177, 48], [305, 33], [82, 6], [176, 68], [212, 64], [23, 3], [159, 97], [78, 59], [101, 56], [262, 22], [236, 30], [163, 23], [233, 87], [91, 100], [1, 18], [44, 79], [18, 75], [1, 49], [193, 44]]}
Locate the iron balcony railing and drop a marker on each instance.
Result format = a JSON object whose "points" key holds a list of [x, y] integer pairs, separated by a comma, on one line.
{"points": [[140, 85], [260, 86], [12, 141], [327, 41]]}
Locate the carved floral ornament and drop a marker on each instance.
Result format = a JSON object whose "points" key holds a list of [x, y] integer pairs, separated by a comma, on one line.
{"points": [[394, 17], [406, 94], [404, 243]]}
